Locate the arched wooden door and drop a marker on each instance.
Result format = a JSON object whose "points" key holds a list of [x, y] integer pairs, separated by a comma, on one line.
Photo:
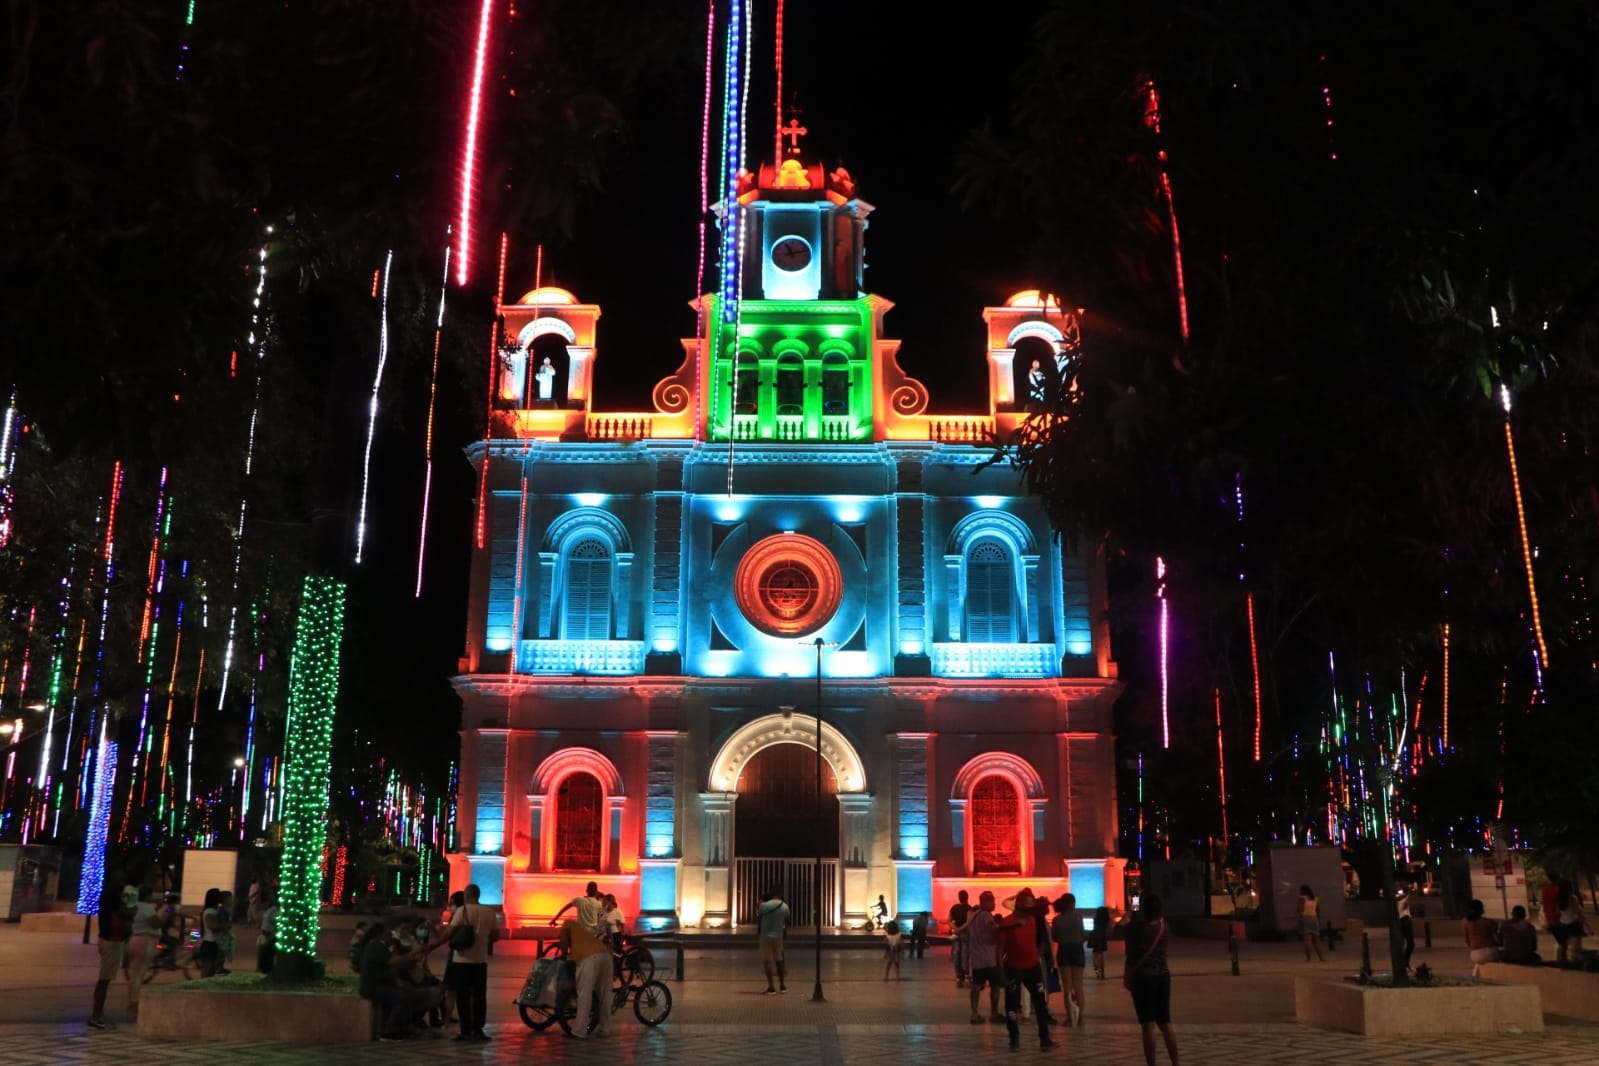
{"points": [[777, 824]]}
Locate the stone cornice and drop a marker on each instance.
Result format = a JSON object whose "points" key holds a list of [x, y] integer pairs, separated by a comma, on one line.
{"points": [[834, 690]]}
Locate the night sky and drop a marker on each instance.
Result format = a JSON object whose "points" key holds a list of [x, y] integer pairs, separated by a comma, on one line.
{"points": [[894, 115]]}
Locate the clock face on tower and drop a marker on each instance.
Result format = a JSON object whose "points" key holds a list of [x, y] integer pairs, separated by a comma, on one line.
{"points": [[791, 253], [788, 584]]}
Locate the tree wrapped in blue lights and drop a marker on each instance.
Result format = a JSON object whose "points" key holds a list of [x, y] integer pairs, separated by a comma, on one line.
{"points": [[92, 884], [307, 748]]}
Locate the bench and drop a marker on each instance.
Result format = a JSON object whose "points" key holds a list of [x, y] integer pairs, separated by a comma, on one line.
{"points": [[1570, 993]]}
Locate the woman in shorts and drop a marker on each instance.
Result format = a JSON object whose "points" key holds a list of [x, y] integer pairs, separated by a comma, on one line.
{"points": [[1148, 977], [1309, 922]]}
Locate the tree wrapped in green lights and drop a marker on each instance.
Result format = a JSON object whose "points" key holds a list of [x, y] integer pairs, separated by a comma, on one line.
{"points": [[307, 748]]}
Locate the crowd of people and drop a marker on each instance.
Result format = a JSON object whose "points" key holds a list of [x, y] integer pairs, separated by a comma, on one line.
{"points": [[1516, 939], [1025, 953]]}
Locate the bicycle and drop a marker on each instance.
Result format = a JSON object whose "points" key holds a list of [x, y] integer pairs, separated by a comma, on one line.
{"points": [[652, 1000]]}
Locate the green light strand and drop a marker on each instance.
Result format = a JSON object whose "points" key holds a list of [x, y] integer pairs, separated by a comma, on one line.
{"points": [[307, 754]]}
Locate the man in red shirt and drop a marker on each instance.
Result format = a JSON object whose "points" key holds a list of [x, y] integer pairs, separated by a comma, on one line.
{"points": [[1019, 945]]}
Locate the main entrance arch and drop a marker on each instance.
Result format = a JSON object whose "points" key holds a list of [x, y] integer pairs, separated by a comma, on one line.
{"points": [[780, 821]]}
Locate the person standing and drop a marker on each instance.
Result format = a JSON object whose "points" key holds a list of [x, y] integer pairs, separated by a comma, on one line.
{"points": [[1023, 967], [1407, 927], [145, 931], [116, 925], [893, 948], [919, 934], [224, 932], [208, 955], [255, 902], [771, 921], [613, 923], [984, 955], [1148, 977], [469, 962], [959, 939], [1309, 924], [1070, 958], [589, 906], [595, 972], [1099, 940], [1572, 921]]}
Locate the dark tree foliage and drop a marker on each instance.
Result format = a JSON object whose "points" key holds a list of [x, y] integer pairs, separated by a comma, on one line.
{"points": [[1385, 216], [142, 162]]}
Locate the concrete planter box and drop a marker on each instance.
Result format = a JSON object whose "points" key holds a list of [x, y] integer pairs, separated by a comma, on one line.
{"points": [[1421, 1011], [53, 922], [1571, 993], [230, 1010]]}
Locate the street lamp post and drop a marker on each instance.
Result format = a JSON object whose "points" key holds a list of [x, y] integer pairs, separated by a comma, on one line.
{"points": [[819, 644]]}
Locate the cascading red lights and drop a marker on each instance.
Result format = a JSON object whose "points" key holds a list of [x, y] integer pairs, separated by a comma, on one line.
{"points": [[474, 113]]}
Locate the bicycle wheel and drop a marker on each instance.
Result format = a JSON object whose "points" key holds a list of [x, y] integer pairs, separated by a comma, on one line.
{"points": [[652, 1003], [641, 966], [566, 1011], [538, 1018]]}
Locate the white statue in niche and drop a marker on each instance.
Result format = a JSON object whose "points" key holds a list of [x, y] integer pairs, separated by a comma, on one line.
{"points": [[546, 379]]}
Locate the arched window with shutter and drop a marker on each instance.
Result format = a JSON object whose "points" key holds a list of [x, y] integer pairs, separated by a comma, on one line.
{"points": [[995, 812], [990, 594], [579, 822], [586, 601]]}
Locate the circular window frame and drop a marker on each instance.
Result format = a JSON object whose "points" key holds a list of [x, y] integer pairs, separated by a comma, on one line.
{"points": [[788, 551]]}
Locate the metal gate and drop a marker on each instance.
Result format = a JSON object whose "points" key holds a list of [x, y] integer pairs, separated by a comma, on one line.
{"points": [[753, 878]]}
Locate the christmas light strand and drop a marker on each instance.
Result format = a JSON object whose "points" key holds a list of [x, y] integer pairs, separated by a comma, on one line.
{"points": [[427, 448], [1165, 652], [8, 462], [474, 113], [704, 210], [257, 340], [1521, 523], [488, 421], [1152, 120], [372, 407]]}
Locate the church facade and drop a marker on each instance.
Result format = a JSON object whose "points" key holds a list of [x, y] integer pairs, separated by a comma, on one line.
{"points": [[786, 630]]}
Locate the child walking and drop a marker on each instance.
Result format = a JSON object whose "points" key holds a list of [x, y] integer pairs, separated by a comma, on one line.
{"points": [[893, 947]]}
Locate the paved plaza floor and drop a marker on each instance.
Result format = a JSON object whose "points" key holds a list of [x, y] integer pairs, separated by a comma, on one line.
{"points": [[719, 1016]]}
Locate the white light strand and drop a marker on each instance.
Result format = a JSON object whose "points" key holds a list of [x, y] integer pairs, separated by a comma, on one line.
{"points": [[258, 344], [372, 406]]}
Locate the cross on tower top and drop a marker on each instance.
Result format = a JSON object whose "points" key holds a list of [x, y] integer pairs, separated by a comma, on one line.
{"points": [[793, 131]]}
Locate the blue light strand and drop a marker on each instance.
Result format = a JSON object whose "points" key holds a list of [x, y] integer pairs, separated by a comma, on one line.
{"points": [[91, 885]]}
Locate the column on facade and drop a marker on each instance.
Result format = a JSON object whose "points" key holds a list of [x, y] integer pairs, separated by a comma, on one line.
{"points": [[913, 863], [486, 850], [663, 628], [658, 868], [855, 853], [716, 836], [911, 657], [1034, 596]]}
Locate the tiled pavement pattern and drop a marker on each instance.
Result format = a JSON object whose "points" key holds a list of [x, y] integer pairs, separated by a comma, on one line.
{"points": [[933, 1045], [719, 1017]]}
